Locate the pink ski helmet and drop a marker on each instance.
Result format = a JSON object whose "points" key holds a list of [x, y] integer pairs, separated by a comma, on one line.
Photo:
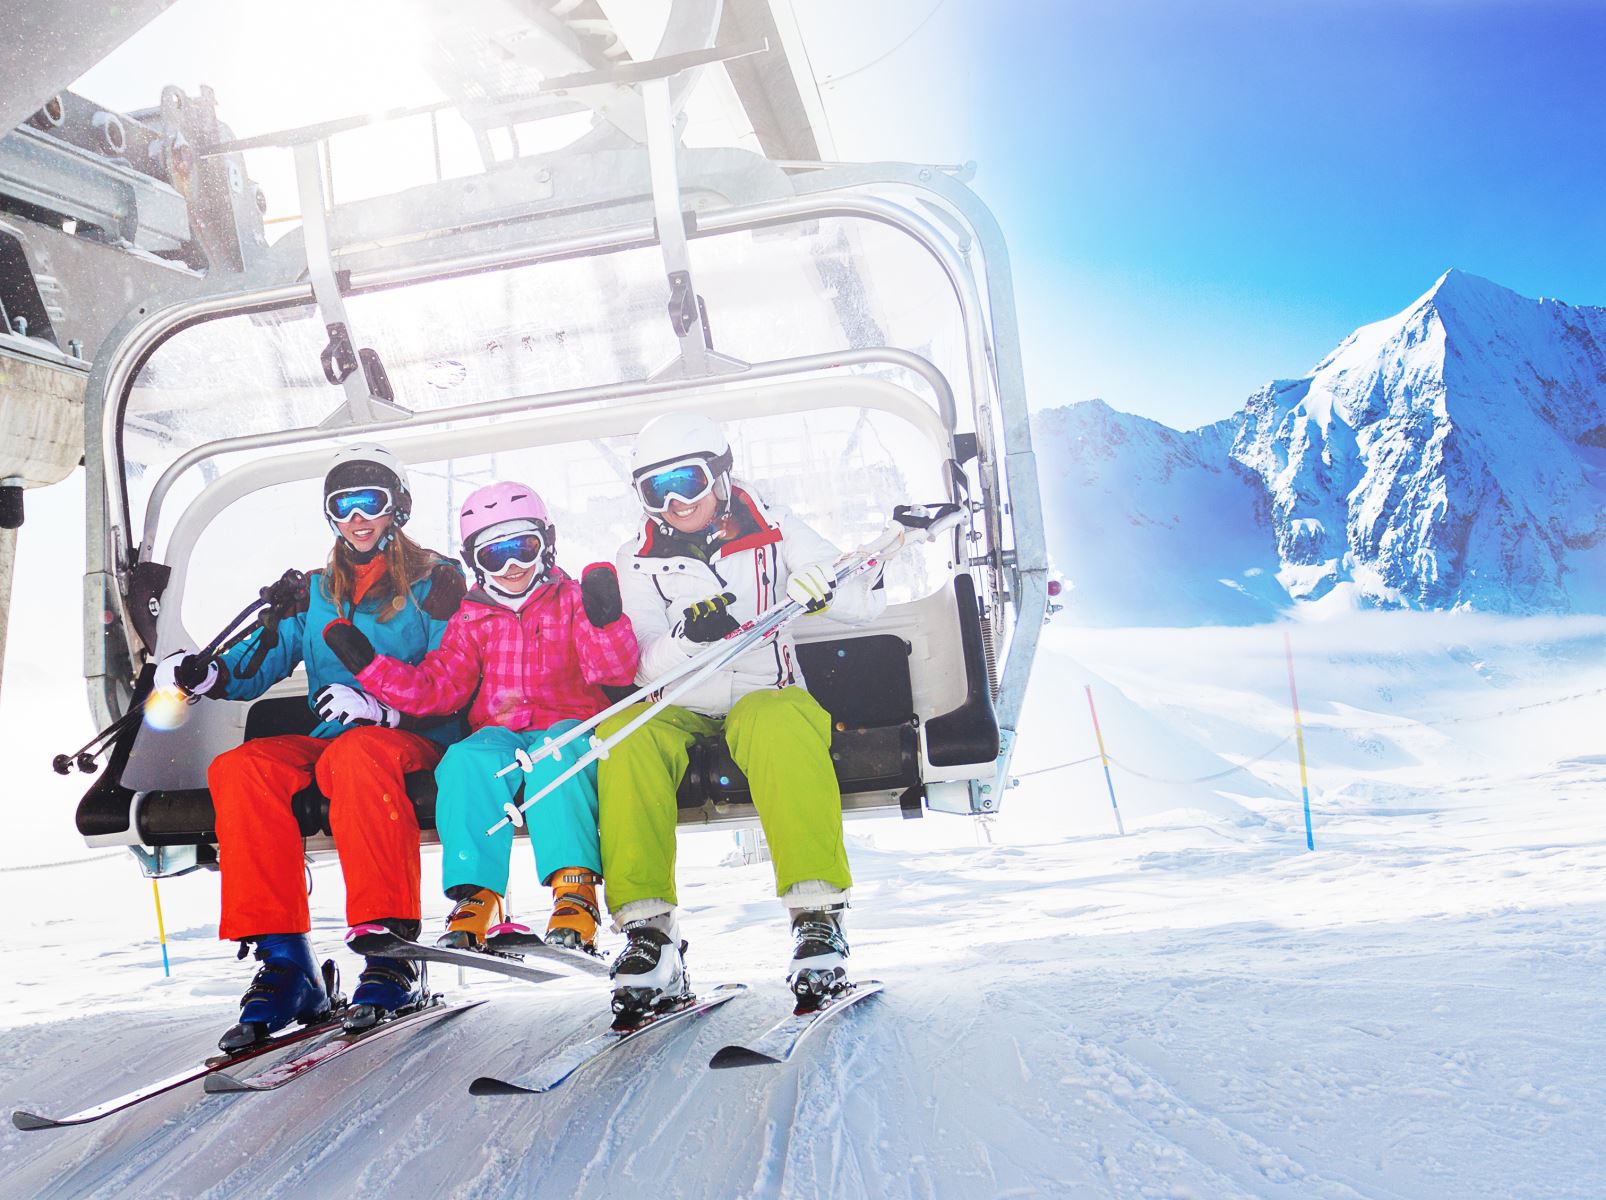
{"points": [[498, 502]]}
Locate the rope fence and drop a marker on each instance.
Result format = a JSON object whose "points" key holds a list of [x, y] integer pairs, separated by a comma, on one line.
{"points": [[1120, 765], [66, 862]]}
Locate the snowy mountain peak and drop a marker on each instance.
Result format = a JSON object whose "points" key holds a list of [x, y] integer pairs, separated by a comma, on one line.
{"points": [[1452, 455]]}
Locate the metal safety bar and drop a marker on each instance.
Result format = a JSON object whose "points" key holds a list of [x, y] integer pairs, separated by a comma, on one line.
{"points": [[883, 356]]}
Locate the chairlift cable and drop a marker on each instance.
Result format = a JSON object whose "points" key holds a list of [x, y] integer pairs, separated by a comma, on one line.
{"points": [[886, 54]]}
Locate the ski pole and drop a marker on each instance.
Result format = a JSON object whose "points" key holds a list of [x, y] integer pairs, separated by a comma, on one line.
{"points": [[927, 522], [738, 640], [932, 519], [84, 757], [776, 621]]}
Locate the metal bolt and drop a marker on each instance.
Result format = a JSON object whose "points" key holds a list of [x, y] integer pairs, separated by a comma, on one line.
{"points": [[20, 324], [154, 606], [75, 347]]}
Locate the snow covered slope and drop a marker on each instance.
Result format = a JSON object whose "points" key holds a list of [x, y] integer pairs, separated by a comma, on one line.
{"points": [[1201, 1009], [1154, 526], [1453, 455]]}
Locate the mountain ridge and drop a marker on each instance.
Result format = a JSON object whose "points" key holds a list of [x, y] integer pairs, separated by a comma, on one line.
{"points": [[1452, 455]]}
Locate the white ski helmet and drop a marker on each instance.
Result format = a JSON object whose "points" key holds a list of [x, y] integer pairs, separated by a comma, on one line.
{"points": [[369, 465], [681, 437]]}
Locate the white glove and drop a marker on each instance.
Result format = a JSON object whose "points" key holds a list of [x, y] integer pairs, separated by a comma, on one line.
{"points": [[353, 706], [167, 674], [813, 586]]}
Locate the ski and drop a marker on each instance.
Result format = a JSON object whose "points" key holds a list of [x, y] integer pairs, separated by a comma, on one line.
{"points": [[25, 1120], [276, 1076], [558, 963], [558, 1067], [519, 942], [777, 1043]]}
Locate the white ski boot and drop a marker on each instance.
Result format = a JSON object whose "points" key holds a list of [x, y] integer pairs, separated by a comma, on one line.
{"points": [[650, 973], [819, 954]]}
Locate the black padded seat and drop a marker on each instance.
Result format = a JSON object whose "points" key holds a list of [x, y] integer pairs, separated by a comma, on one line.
{"points": [[863, 682]]}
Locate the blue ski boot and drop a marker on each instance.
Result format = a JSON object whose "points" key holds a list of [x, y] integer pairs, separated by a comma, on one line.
{"points": [[287, 987], [387, 986]]}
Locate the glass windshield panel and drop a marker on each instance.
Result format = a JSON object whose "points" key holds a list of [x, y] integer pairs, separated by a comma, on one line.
{"points": [[809, 289], [840, 469]]}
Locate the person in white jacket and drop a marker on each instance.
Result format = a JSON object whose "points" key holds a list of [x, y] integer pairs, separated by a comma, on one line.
{"points": [[711, 555]]}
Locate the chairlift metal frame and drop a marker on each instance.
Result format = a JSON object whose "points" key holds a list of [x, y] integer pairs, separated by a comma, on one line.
{"points": [[926, 204]]}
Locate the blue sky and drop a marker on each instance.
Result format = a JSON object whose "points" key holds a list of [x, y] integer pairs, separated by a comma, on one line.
{"points": [[1203, 196]]}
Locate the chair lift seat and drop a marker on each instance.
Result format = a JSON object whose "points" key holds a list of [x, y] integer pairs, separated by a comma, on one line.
{"points": [[863, 682]]}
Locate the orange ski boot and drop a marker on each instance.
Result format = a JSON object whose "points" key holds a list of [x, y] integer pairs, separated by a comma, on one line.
{"points": [[474, 914], [575, 914]]}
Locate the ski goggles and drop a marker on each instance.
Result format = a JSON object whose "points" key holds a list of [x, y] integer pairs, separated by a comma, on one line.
{"points": [[505, 553], [371, 502], [687, 482]]}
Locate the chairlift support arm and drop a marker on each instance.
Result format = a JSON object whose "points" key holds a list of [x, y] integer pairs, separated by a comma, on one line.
{"points": [[359, 373], [687, 314]]}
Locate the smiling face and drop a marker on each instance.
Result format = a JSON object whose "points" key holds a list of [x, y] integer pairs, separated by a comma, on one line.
{"points": [[691, 518], [362, 533], [516, 578]]}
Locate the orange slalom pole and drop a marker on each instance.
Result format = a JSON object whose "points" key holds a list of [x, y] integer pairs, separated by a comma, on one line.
{"points": [[1105, 759], [1299, 739]]}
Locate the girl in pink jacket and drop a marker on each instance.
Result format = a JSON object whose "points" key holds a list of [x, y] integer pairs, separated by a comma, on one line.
{"points": [[530, 648]]}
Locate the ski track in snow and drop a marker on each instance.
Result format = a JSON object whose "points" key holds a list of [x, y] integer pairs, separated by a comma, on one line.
{"points": [[1199, 1010]]}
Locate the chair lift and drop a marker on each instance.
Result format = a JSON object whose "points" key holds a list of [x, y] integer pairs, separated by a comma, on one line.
{"points": [[924, 702]]}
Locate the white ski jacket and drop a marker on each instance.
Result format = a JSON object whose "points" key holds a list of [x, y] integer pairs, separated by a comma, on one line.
{"points": [[660, 576]]}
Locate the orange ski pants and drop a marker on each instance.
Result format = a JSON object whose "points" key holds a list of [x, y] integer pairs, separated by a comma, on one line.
{"points": [[260, 849]]}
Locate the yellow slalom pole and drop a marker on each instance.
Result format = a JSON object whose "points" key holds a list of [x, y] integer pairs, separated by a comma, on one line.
{"points": [[1299, 738], [1104, 758], [161, 930]]}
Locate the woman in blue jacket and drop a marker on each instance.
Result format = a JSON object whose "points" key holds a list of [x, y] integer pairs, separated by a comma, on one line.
{"points": [[400, 595]]}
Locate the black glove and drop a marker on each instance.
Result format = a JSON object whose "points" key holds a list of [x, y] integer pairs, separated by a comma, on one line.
{"points": [[286, 595], [599, 592], [446, 591], [350, 644], [708, 620]]}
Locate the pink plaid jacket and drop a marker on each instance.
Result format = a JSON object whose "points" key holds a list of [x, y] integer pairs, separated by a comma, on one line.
{"points": [[524, 670]]}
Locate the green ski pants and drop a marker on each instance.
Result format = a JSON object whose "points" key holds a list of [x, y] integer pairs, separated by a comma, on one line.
{"points": [[782, 742]]}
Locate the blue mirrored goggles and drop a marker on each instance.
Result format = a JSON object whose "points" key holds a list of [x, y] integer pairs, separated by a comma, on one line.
{"points": [[371, 502], [515, 550], [687, 482]]}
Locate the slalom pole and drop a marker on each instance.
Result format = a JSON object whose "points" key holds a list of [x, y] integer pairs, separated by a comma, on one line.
{"points": [[1299, 739], [1104, 758], [161, 930]]}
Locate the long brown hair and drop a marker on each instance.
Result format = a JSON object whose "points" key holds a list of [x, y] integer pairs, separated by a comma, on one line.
{"points": [[406, 562]]}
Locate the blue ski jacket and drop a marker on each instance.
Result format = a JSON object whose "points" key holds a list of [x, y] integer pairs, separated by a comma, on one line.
{"points": [[407, 636]]}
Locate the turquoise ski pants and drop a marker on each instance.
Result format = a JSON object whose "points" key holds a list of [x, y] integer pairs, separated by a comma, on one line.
{"points": [[563, 825]]}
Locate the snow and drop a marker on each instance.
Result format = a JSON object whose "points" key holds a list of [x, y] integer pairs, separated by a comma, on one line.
{"points": [[1199, 1009]]}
